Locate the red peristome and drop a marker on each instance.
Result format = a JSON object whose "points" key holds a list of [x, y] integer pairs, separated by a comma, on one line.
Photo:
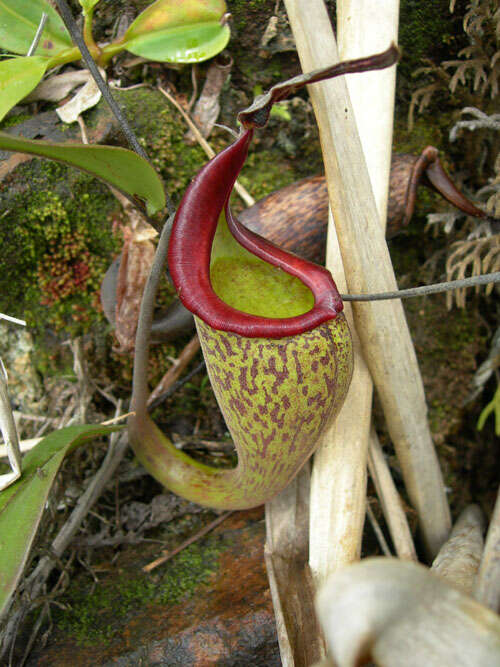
{"points": [[190, 250]]}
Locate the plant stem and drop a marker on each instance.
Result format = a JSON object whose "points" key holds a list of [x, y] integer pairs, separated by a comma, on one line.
{"points": [[88, 36], [382, 328]]}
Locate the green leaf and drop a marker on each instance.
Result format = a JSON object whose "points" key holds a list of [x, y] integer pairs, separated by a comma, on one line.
{"points": [[178, 31], [19, 20], [22, 504], [18, 77], [493, 408], [88, 5], [119, 167], [165, 14], [190, 44]]}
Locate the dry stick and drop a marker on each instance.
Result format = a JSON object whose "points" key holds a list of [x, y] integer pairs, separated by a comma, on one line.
{"points": [[290, 581], [38, 34], [382, 328], [390, 500], [487, 588], [244, 194], [176, 386], [338, 481], [35, 583], [174, 373], [378, 531], [191, 540], [77, 37], [459, 557], [338, 484]]}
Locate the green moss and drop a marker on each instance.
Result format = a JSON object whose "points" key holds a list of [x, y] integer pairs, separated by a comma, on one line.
{"points": [[56, 244], [427, 30], [266, 171], [162, 130], [93, 617]]}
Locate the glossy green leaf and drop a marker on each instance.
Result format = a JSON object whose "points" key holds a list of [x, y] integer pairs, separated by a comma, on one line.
{"points": [[119, 167], [88, 5], [19, 20], [191, 44], [18, 77], [179, 31], [22, 504], [165, 14]]}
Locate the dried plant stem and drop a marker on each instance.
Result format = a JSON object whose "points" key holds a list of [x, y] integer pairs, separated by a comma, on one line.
{"points": [[290, 581], [382, 328], [338, 483], [391, 502], [459, 557], [38, 34], [191, 540], [391, 612], [174, 373], [378, 531], [9, 433], [338, 480], [244, 194], [487, 589]]}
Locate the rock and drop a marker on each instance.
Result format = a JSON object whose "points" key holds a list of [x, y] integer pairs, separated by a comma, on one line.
{"points": [[226, 621]]}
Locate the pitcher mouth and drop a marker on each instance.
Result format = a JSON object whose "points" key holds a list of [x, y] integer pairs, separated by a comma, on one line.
{"points": [[197, 227]]}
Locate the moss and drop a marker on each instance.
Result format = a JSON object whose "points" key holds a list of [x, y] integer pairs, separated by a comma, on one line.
{"points": [[161, 130], [427, 30], [266, 171], [447, 344], [56, 244], [94, 616]]}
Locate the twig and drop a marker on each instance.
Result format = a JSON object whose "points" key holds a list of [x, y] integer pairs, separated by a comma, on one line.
{"points": [[426, 289], [194, 538], [378, 531], [15, 320], [390, 501], [487, 588], [35, 582], [77, 37], [244, 194], [38, 34], [175, 387], [174, 373], [113, 420]]}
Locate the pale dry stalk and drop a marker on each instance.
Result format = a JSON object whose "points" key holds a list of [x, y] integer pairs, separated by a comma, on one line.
{"points": [[381, 326]]}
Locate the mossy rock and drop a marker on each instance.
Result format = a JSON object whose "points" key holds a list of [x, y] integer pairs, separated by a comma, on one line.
{"points": [[56, 232]]}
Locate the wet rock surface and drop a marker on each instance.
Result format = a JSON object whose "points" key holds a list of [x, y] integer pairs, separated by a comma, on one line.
{"points": [[227, 620]]}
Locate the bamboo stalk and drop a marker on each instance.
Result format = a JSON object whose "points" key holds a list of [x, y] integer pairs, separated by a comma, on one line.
{"points": [[487, 588], [459, 557], [338, 481], [381, 326], [390, 501], [292, 590]]}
